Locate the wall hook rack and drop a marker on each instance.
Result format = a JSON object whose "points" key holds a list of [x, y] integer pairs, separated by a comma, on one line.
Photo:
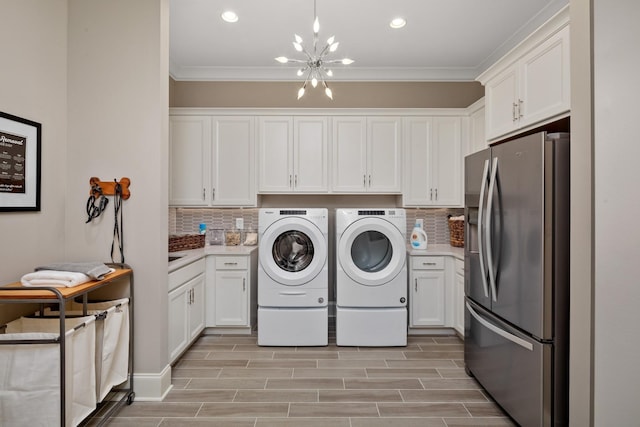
{"points": [[109, 187]]}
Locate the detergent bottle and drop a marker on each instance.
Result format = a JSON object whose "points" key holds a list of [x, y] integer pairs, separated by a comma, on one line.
{"points": [[418, 237]]}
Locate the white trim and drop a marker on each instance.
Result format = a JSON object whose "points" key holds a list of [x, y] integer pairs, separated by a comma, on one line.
{"points": [[152, 387], [399, 112]]}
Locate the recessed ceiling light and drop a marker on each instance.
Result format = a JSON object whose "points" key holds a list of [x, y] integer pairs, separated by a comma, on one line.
{"points": [[229, 16], [398, 23]]}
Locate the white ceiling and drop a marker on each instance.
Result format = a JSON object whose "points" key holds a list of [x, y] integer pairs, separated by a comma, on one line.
{"points": [[444, 40]]}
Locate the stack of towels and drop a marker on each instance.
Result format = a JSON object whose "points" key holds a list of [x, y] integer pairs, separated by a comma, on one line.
{"points": [[66, 274]]}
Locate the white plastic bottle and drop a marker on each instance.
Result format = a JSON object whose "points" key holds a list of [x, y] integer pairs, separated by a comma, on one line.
{"points": [[418, 237]]}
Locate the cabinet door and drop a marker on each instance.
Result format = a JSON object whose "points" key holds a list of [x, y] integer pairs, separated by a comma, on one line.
{"points": [[275, 154], [478, 139], [384, 155], [544, 88], [446, 163], [231, 298], [501, 96], [458, 303], [349, 153], [196, 306], [233, 162], [417, 136], [427, 298], [189, 145], [178, 321], [310, 152]]}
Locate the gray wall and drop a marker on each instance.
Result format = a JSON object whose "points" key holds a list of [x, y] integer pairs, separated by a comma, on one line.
{"points": [[346, 95]]}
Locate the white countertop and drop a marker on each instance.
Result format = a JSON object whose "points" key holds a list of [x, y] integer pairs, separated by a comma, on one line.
{"points": [[189, 256], [437, 250]]}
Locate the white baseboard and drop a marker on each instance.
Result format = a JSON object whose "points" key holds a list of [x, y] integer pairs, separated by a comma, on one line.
{"points": [[152, 387]]}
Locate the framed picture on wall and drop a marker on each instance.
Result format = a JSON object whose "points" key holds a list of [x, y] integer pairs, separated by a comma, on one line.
{"points": [[20, 154]]}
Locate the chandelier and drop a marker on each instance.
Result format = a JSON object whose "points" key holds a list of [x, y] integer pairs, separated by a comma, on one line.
{"points": [[314, 66]]}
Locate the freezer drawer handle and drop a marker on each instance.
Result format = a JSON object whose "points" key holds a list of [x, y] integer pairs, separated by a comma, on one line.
{"points": [[504, 334], [293, 293]]}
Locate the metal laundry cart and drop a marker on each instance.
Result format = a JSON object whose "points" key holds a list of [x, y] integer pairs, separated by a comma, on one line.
{"points": [[118, 284]]}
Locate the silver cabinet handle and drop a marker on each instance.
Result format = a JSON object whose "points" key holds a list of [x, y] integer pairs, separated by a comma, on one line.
{"points": [[230, 263], [295, 180], [431, 194], [436, 194], [213, 194], [369, 180], [428, 263], [204, 194], [364, 180], [244, 285], [416, 285], [289, 181], [513, 111], [520, 108], [485, 176], [492, 184]]}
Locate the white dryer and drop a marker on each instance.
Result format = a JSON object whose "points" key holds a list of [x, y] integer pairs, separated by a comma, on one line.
{"points": [[371, 277], [293, 280]]}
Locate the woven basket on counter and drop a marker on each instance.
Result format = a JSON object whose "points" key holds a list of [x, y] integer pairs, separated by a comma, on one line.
{"points": [[184, 242], [456, 232]]}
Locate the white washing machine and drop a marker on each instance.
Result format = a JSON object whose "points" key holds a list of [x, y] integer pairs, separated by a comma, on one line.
{"points": [[293, 278], [371, 277]]}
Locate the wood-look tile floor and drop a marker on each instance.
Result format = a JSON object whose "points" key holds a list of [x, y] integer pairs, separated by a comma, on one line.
{"points": [[229, 381]]}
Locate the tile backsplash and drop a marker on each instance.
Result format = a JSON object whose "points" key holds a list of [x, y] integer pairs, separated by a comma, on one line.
{"points": [[186, 220]]}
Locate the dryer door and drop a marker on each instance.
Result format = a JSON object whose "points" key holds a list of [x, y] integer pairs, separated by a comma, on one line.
{"points": [[293, 251], [372, 251]]}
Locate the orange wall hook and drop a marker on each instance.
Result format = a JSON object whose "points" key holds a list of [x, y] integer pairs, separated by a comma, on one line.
{"points": [[108, 188]]}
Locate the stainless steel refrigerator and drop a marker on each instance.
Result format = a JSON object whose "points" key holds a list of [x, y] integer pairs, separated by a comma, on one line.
{"points": [[517, 275]]}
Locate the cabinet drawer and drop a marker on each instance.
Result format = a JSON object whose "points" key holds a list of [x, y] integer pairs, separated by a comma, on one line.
{"points": [[459, 266], [186, 273], [232, 262], [427, 263]]}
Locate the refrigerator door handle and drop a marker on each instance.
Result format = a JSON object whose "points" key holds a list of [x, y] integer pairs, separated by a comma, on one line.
{"points": [[492, 184], [504, 334], [485, 174]]}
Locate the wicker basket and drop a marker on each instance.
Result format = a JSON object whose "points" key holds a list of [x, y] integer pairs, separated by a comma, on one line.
{"points": [[456, 232], [187, 241]]}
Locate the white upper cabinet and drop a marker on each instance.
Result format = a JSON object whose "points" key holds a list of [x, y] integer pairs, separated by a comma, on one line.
{"points": [[531, 85], [477, 137], [233, 160], [212, 161], [189, 168], [293, 154], [367, 155], [433, 162]]}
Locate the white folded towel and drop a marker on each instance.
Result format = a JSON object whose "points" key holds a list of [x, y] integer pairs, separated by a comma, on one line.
{"points": [[57, 279]]}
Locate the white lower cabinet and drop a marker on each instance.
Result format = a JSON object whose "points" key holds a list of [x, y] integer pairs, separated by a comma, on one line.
{"points": [[427, 283], [231, 291], [186, 307], [458, 297], [436, 290]]}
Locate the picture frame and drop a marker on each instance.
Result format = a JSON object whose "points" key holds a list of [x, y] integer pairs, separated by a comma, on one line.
{"points": [[20, 163]]}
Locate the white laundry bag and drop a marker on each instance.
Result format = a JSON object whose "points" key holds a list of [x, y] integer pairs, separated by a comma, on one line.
{"points": [[30, 389], [112, 342]]}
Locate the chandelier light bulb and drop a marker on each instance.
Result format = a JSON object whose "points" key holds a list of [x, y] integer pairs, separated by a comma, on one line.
{"points": [[328, 92], [331, 39], [298, 38], [329, 73], [297, 46], [334, 47], [282, 59], [347, 61], [314, 82], [300, 72], [301, 92], [316, 26]]}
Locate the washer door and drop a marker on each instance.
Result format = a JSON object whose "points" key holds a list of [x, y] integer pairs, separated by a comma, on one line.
{"points": [[293, 251], [372, 251]]}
